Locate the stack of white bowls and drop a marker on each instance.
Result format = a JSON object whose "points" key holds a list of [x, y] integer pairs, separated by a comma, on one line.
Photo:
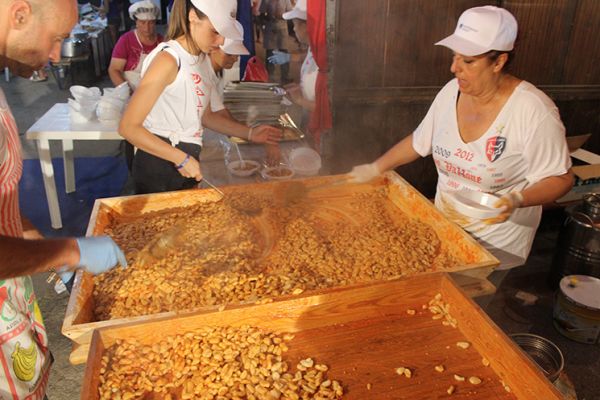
{"points": [[84, 102], [111, 104]]}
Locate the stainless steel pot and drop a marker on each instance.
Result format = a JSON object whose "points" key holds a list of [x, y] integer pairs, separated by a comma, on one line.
{"points": [[72, 47], [578, 246]]}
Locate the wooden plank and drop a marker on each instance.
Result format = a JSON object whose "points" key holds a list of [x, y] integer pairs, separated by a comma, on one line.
{"points": [[581, 61], [364, 334], [360, 43], [495, 346], [80, 322], [412, 29], [540, 52], [473, 286]]}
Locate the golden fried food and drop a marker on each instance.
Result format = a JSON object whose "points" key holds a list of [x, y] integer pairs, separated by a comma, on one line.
{"points": [[290, 250]]}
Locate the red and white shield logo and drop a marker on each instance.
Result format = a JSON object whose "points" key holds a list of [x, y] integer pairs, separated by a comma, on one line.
{"points": [[495, 147]]}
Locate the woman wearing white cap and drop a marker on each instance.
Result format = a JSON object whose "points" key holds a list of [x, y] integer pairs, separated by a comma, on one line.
{"points": [[489, 131], [224, 58], [167, 112], [304, 93], [133, 47]]}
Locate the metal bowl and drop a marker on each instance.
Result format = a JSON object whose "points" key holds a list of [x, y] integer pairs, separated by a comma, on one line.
{"points": [[546, 355]]}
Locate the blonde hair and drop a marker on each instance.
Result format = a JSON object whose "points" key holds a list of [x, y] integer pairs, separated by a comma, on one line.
{"points": [[179, 23]]}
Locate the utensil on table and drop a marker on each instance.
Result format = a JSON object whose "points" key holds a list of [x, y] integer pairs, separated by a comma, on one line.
{"points": [[213, 187], [237, 149]]}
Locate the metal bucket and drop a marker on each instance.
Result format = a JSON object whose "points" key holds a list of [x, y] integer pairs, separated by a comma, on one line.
{"points": [[578, 245], [577, 308], [545, 354], [72, 47]]}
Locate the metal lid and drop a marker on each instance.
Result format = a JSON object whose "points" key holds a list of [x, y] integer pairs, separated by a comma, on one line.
{"points": [[582, 289]]}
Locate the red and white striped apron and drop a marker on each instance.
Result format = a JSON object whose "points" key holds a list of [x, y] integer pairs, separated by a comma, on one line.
{"points": [[24, 356]]}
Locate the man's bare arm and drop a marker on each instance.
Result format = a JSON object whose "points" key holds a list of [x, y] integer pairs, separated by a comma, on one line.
{"points": [[21, 257]]}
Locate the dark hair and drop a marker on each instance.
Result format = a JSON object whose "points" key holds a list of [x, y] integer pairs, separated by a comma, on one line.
{"points": [[493, 55], [179, 23]]}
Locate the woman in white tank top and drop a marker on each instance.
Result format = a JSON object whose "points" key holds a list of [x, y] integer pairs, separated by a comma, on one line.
{"points": [[167, 113]]}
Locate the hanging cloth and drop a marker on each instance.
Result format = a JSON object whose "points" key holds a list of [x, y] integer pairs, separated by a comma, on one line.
{"points": [[320, 119]]}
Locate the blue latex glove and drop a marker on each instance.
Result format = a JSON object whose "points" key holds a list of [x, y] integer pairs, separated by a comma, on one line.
{"points": [[66, 275], [99, 254], [279, 57]]}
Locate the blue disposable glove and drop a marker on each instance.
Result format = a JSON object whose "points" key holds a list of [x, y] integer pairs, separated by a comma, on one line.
{"points": [[279, 57], [99, 254]]}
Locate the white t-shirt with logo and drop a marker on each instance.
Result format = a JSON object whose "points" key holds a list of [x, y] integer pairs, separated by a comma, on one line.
{"points": [[177, 113], [218, 83], [525, 144]]}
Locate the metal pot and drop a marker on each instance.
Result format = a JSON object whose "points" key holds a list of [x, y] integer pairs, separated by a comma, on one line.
{"points": [[72, 47], [578, 245], [79, 34]]}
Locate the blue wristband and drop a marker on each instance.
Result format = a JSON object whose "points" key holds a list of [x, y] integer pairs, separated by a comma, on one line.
{"points": [[187, 158]]}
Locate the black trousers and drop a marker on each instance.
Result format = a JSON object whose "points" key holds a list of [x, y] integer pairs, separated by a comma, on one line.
{"points": [[152, 174]]}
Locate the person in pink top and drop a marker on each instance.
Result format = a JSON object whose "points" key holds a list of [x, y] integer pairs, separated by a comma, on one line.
{"points": [[31, 33], [133, 47]]}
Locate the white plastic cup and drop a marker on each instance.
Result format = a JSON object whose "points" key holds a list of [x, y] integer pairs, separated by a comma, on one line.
{"points": [[305, 161]]}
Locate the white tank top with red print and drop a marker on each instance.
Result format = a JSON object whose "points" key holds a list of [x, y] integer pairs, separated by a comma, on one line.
{"points": [[24, 356]]}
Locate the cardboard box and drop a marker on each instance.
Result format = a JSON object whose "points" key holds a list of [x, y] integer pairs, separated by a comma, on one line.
{"points": [[587, 177]]}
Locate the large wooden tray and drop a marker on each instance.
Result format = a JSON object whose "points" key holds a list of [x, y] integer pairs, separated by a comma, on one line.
{"points": [[80, 322], [364, 333]]}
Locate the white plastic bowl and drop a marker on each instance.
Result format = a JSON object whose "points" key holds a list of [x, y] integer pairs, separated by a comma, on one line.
{"points": [[305, 161], [122, 91], [108, 112], [250, 167], [83, 112], [474, 204], [82, 93], [114, 101], [276, 173], [77, 118]]}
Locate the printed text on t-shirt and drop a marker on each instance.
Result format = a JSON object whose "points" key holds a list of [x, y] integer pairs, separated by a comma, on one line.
{"points": [[465, 155], [456, 170]]}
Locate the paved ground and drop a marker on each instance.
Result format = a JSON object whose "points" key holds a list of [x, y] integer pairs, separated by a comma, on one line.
{"points": [[29, 100]]}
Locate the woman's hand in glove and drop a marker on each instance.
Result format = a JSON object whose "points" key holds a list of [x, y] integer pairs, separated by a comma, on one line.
{"points": [[279, 57], [99, 254], [364, 173], [508, 203]]}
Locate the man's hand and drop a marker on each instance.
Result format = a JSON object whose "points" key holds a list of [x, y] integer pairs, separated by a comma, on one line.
{"points": [[508, 203], [279, 57], [99, 254], [273, 154], [265, 134], [294, 92], [364, 173]]}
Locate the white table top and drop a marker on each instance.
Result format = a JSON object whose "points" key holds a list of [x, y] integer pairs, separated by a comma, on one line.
{"points": [[56, 124]]}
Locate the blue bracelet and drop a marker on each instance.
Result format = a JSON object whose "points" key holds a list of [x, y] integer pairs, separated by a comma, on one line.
{"points": [[187, 158]]}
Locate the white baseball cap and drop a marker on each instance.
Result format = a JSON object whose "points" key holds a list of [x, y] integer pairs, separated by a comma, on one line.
{"points": [[221, 14], [299, 11], [235, 47], [144, 10], [482, 29]]}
